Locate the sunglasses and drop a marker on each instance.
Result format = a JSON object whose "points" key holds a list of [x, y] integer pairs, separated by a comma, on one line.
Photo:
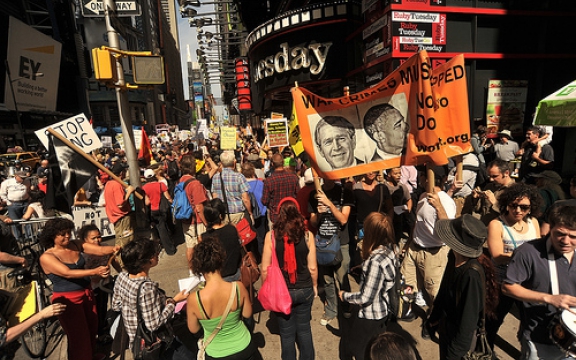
{"points": [[522, 207]]}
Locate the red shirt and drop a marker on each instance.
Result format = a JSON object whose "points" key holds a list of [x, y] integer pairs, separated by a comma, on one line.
{"points": [[114, 195], [196, 193], [154, 190]]}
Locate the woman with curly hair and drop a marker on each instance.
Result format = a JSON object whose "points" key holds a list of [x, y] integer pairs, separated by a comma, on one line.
{"points": [[468, 289], [296, 253], [519, 204], [206, 307], [378, 272], [64, 264]]}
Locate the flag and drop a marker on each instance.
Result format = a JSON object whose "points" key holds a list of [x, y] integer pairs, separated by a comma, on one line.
{"points": [[69, 171], [415, 115], [145, 148]]}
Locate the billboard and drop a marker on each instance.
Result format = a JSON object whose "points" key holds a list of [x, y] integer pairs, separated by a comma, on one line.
{"points": [[34, 63]]}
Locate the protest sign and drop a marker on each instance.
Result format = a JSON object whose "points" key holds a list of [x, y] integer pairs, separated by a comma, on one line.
{"points": [[77, 129], [277, 132], [84, 215], [294, 133], [227, 138], [413, 116]]}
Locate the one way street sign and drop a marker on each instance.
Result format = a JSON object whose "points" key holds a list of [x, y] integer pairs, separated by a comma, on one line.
{"points": [[95, 8]]}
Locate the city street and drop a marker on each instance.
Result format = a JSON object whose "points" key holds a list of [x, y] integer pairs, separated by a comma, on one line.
{"points": [[326, 339]]}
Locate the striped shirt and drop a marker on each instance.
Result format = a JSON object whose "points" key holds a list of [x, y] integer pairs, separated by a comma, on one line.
{"points": [[377, 278]]}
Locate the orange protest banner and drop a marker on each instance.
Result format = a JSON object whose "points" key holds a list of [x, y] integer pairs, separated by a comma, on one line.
{"points": [[415, 115]]}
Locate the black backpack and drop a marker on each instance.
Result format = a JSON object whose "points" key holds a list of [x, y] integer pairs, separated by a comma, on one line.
{"points": [[172, 169], [395, 302]]}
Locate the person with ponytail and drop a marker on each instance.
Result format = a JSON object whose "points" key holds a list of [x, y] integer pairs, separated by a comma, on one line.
{"points": [[296, 253]]}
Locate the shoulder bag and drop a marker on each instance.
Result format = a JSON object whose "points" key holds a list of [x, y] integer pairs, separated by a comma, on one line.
{"points": [[249, 271], [274, 295], [147, 345], [480, 348], [245, 231], [203, 344], [165, 205]]}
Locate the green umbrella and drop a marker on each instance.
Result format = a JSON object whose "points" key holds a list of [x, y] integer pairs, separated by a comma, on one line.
{"points": [[559, 108]]}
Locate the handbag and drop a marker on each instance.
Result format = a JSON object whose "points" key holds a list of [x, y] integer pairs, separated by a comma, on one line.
{"points": [[146, 345], [273, 294], [245, 231], [328, 251], [249, 272], [165, 206], [480, 348], [203, 344]]}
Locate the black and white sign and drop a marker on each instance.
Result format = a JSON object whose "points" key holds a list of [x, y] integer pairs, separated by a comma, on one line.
{"points": [[95, 8]]}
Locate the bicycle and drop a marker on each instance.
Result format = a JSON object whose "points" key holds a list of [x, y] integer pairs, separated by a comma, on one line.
{"points": [[35, 340]]}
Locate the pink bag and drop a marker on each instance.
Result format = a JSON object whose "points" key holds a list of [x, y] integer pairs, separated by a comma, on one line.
{"points": [[274, 295]]}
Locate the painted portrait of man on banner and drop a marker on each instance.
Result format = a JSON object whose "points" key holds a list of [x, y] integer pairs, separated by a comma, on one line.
{"points": [[373, 131]]}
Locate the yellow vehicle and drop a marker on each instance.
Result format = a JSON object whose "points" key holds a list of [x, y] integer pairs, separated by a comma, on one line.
{"points": [[30, 159]]}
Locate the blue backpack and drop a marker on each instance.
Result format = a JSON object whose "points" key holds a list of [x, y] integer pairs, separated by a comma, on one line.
{"points": [[181, 207]]}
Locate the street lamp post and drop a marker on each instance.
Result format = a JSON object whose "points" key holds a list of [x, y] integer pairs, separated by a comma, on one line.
{"points": [[18, 115]]}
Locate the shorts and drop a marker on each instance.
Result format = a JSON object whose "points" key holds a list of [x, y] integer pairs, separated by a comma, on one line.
{"points": [[124, 229], [191, 233]]}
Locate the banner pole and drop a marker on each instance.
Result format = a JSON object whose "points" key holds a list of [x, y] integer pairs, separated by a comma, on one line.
{"points": [[89, 158], [459, 167], [316, 180], [430, 176]]}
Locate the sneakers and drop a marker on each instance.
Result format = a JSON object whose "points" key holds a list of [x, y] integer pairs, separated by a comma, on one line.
{"points": [[325, 320], [409, 316], [420, 299]]}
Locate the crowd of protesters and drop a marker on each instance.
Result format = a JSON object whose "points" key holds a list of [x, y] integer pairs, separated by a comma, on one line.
{"points": [[469, 245]]}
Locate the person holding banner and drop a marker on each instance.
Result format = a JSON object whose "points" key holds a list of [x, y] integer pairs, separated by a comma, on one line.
{"points": [[427, 255], [118, 208], [65, 265], [387, 127], [335, 139]]}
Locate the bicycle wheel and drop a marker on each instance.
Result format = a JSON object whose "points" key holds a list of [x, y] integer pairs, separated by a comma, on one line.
{"points": [[35, 340]]}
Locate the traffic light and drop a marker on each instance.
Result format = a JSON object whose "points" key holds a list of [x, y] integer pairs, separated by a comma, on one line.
{"points": [[104, 65], [148, 69]]}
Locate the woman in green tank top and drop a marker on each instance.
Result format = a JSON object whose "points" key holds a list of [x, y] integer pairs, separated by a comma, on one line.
{"points": [[206, 307]]}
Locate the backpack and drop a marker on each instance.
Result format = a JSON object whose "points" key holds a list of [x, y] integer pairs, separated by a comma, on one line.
{"points": [[172, 169], [395, 302], [481, 173], [253, 202], [181, 207]]}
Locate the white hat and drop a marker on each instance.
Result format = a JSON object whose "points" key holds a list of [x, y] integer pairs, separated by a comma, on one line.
{"points": [[148, 173], [308, 177]]}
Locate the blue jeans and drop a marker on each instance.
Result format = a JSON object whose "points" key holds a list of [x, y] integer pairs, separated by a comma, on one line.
{"points": [[332, 274], [296, 326], [15, 212]]}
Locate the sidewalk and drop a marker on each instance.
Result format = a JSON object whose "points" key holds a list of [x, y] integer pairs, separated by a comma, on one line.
{"points": [[326, 338]]}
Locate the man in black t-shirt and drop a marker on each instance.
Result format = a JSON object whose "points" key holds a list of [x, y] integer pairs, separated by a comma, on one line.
{"points": [[329, 211]]}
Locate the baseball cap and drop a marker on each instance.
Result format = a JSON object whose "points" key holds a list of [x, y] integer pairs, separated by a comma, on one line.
{"points": [[148, 173], [308, 177], [22, 174]]}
